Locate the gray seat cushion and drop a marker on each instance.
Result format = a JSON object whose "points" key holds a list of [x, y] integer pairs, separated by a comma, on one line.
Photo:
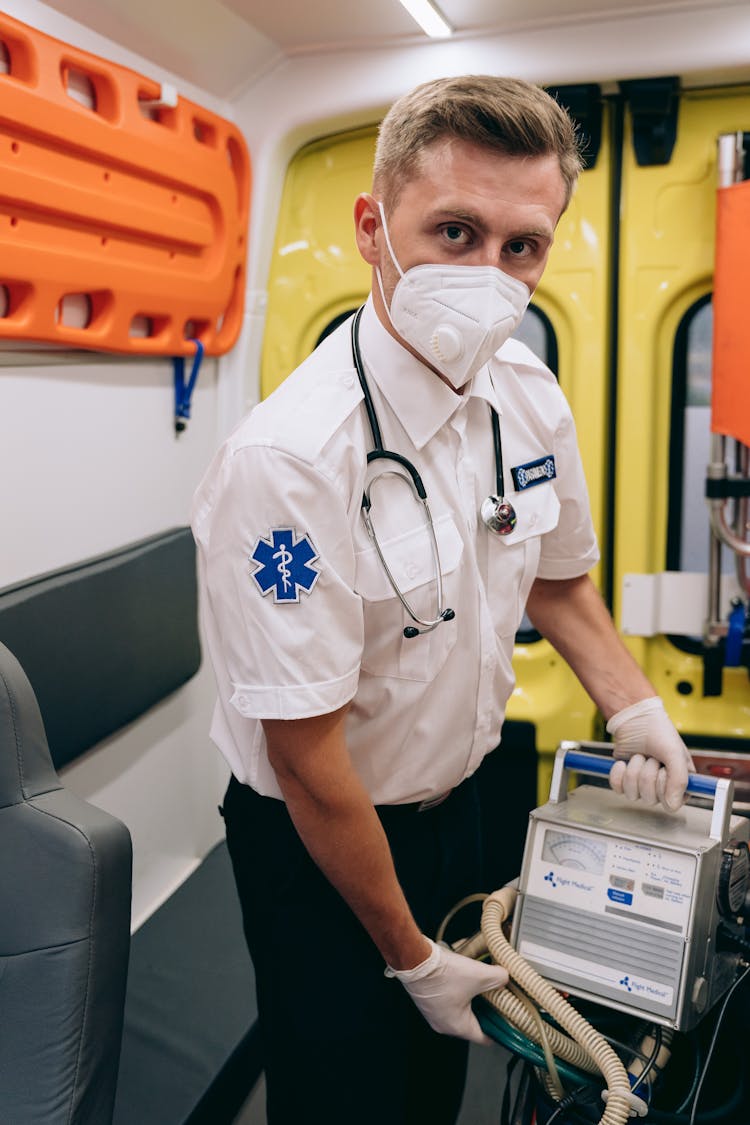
{"points": [[65, 881]]}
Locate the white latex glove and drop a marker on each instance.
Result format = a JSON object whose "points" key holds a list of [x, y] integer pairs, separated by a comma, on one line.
{"points": [[443, 987], [656, 761]]}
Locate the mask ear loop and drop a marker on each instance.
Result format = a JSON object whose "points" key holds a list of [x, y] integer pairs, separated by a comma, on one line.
{"points": [[394, 259]]}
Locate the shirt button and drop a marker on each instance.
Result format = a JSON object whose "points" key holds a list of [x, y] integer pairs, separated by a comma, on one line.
{"points": [[532, 519], [348, 380], [411, 570]]}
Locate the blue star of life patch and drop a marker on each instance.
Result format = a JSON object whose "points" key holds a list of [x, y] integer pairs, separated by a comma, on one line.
{"points": [[285, 564], [534, 472]]}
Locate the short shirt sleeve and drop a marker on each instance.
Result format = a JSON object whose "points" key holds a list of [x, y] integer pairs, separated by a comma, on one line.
{"points": [[279, 572], [570, 549]]}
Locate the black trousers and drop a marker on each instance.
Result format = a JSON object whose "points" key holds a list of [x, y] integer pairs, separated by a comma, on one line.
{"points": [[343, 1045]]}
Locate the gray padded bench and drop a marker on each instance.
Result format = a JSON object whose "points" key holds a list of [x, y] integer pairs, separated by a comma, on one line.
{"points": [[191, 1049], [121, 630]]}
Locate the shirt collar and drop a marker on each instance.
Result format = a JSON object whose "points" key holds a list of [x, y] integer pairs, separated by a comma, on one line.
{"points": [[483, 385], [421, 402]]}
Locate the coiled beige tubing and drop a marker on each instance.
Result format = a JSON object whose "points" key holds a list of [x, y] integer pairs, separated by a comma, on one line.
{"points": [[583, 1047]]}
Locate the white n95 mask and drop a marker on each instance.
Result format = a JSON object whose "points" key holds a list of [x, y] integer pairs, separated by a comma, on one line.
{"points": [[456, 317]]}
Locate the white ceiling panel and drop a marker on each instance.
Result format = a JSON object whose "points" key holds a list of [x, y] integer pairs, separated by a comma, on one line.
{"points": [[224, 46], [298, 25]]}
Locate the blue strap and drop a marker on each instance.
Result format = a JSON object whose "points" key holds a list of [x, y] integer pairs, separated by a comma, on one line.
{"points": [[735, 635], [182, 390]]}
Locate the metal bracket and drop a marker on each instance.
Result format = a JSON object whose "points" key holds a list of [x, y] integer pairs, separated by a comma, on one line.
{"points": [[654, 104], [721, 811]]}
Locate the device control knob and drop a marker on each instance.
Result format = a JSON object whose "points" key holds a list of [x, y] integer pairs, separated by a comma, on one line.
{"points": [[734, 875], [700, 993]]}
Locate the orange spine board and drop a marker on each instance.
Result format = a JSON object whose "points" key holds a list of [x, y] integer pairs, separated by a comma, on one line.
{"points": [[131, 213], [730, 394]]}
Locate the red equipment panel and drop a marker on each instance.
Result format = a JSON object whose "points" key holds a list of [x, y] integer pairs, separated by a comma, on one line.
{"points": [[730, 400]]}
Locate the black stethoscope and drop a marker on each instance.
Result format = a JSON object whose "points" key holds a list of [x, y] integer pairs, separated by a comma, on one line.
{"points": [[496, 513]]}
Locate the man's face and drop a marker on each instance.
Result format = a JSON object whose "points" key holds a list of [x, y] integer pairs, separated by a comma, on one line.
{"points": [[467, 206]]}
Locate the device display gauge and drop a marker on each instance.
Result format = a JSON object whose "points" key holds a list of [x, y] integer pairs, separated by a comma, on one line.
{"points": [[571, 850]]}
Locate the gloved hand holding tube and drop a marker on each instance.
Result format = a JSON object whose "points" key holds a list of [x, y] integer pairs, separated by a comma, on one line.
{"points": [[653, 761], [443, 986]]}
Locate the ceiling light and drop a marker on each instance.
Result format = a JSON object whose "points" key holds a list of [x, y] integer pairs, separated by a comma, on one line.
{"points": [[428, 17]]}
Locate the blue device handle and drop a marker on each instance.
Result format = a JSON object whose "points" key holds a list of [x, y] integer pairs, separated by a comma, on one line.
{"points": [[581, 762]]}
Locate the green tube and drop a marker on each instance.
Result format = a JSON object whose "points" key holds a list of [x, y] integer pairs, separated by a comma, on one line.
{"points": [[497, 1027]]}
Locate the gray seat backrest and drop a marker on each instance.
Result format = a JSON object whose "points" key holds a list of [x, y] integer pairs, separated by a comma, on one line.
{"points": [[65, 884]]}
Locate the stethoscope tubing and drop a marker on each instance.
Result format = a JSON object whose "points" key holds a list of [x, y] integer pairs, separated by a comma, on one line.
{"points": [[497, 514], [380, 453], [427, 625]]}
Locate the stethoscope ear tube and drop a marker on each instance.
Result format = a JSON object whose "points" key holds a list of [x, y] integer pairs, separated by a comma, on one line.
{"points": [[496, 513], [379, 453], [442, 614]]}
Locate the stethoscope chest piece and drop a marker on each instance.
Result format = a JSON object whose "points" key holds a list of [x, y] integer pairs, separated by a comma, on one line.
{"points": [[498, 515]]}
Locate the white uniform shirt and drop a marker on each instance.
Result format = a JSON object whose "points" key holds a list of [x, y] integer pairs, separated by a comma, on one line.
{"points": [[329, 628]]}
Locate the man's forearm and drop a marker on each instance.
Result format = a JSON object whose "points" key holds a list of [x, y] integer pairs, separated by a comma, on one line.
{"points": [[338, 825], [571, 614]]}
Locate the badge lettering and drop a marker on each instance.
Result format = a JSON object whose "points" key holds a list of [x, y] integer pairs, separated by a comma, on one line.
{"points": [[534, 472]]}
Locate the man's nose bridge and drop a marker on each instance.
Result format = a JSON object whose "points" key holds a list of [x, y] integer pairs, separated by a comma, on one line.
{"points": [[491, 253]]}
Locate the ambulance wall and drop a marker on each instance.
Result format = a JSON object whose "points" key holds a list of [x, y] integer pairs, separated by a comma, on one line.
{"points": [[90, 462]]}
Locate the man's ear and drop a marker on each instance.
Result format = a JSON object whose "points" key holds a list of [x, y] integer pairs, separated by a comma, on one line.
{"points": [[366, 226]]}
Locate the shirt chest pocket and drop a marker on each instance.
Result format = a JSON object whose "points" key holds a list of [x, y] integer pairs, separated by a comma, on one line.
{"points": [[411, 561], [513, 560]]}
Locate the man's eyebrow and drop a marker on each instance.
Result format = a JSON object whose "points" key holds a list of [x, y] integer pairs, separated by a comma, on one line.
{"points": [[460, 215]]}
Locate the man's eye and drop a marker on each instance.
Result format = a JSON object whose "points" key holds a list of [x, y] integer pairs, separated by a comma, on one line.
{"points": [[455, 234], [518, 247]]}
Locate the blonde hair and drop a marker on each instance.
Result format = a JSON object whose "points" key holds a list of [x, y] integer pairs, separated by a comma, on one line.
{"points": [[505, 114]]}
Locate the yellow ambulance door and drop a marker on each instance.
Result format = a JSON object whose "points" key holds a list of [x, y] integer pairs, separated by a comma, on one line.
{"points": [[661, 528], [316, 276], [573, 302]]}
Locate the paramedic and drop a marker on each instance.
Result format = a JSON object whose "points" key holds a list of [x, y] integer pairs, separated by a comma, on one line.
{"points": [[357, 699]]}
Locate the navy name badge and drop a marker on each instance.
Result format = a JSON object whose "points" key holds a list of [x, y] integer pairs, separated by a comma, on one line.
{"points": [[285, 564], [534, 472]]}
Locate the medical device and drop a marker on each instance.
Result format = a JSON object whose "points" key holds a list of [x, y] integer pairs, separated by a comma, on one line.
{"points": [[496, 512], [622, 903]]}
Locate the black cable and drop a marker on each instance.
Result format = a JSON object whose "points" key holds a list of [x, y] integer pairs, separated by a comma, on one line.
{"points": [[719, 1115], [626, 1048], [694, 1080], [571, 1100], [651, 1060], [566, 1103], [712, 1044]]}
